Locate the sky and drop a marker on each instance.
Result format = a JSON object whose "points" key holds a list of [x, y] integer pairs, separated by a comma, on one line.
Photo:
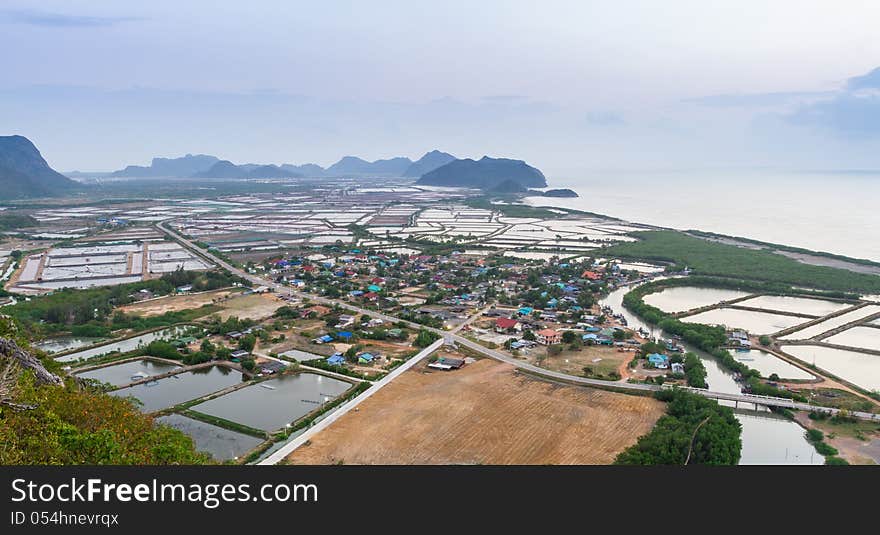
{"points": [[568, 86]]}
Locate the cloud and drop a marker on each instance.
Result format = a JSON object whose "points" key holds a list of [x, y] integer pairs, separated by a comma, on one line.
{"points": [[852, 112], [59, 20], [757, 99], [605, 118]]}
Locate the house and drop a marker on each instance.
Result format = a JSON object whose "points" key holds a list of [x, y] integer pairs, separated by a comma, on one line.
{"points": [[548, 337], [452, 362], [507, 324], [658, 361], [336, 359], [271, 366], [239, 354], [184, 289], [677, 367], [525, 311], [323, 339], [366, 358], [345, 320], [395, 333]]}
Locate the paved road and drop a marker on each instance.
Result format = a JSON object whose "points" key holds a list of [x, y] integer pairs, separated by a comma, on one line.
{"points": [[283, 452], [497, 355]]}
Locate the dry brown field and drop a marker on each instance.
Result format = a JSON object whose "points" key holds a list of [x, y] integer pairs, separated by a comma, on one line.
{"points": [[484, 413]]}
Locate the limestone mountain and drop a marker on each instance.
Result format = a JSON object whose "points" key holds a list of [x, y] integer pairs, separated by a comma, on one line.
{"points": [[170, 167], [486, 174], [24, 172], [427, 163]]}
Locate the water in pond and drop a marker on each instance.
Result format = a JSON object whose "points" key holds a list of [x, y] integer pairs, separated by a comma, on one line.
{"points": [[272, 404], [833, 323], [754, 322], [222, 444], [65, 343], [860, 369], [122, 346], [768, 364], [865, 337], [771, 439], [176, 389], [120, 374], [802, 305], [765, 437], [679, 299]]}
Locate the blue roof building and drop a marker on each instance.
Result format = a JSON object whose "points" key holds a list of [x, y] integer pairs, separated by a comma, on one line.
{"points": [[365, 358], [336, 360], [525, 311], [344, 335], [658, 360]]}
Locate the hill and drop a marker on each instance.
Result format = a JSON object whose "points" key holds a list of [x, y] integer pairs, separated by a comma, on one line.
{"points": [[486, 173], [310, 170], [427, 163], [170, 167], [352, 165], [227, 169], [560, 193], [24, 172]]}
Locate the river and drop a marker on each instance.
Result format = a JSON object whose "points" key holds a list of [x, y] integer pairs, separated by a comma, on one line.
{"points": [[833, 212], [767, 438]]}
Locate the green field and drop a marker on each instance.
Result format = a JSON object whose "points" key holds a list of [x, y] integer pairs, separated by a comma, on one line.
{"points": [[710, 258]]}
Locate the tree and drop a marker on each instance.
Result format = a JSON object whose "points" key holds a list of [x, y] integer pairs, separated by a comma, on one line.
{"points": [[529, 335], [208, 347], [247, 342], [425, 338]]}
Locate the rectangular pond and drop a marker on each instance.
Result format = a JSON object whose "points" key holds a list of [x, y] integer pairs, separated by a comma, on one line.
{"points": [[754, 322], [833, 323], [222, 444], [164, 393], [125, 345], [681, 298], [65, 343], [768, 364], [858, 368], [802, 305], [272, 404], [865, 337], [121, 374]]}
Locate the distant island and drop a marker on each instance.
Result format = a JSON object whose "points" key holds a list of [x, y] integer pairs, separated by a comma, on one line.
{"points": [[560, 193], [489, 174], [24, 172]]}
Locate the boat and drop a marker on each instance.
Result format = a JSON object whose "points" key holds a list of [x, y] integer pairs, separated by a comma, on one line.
{"points": [[270, 387]]}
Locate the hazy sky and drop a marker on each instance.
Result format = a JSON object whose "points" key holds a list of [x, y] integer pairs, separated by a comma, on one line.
{"points": [[566, 85]]}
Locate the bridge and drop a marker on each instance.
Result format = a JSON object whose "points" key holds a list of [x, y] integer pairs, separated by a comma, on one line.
{"points": [[453, 338]]}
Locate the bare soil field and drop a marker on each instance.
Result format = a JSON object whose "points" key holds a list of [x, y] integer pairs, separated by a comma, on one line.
{"points": [[574, 362], [254, 306], [174, 303], [484, 413]]}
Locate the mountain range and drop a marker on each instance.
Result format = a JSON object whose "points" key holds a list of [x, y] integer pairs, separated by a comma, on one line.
{"points": [[227, 169], [170, 167], [24, 172]]}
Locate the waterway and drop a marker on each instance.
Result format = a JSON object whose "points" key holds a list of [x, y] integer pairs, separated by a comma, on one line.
{"points": [[767, 438]]}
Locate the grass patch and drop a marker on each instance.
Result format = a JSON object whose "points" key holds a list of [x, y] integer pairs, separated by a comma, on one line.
{"points": [[710, 258]]}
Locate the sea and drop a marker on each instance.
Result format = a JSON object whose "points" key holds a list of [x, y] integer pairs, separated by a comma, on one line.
{"points": [[829, 211]]}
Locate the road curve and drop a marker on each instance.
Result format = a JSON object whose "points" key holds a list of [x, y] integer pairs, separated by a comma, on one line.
{"points": [[497, 355]]}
